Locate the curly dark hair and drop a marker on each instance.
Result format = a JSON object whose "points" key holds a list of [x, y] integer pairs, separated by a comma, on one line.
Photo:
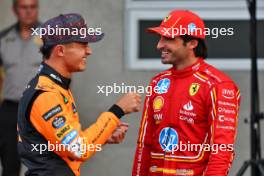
{"points": [[200, 50]]}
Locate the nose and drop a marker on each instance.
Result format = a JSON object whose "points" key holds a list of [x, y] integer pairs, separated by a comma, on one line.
{"points": [[160, 44], [88, 50]]}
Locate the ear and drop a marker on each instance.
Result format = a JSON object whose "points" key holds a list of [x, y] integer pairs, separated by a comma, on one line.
{"points": [[192, 44], [59, 50]]}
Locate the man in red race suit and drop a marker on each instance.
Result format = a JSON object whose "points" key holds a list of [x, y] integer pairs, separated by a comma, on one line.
{"points": [[189, 122]]}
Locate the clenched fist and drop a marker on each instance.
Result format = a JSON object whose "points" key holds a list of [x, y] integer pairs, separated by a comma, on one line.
{"points": [[119, 134], [130, 103]]}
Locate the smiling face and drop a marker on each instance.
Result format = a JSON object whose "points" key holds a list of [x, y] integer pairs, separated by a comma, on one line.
{"points": [[175, 51], [172, 50], [75, 55]]}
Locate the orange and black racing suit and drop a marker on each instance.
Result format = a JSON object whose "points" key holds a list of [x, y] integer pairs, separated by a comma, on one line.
{"points": [[51, 141]]}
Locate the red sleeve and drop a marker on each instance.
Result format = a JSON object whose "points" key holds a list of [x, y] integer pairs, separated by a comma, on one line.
{"points": [[142, 155], [223, 108]]}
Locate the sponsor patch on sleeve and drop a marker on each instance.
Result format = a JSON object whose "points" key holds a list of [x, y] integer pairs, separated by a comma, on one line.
{"points": [[64, 130], [69, 137], [228, 94], [58, 122], [52, 112]]}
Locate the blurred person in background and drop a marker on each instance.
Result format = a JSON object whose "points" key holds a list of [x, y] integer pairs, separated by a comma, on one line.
{"points": [[19, 60]]}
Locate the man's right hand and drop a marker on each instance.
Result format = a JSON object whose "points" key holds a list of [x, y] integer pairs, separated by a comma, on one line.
{"points": [[129, 103], [119, 134]]}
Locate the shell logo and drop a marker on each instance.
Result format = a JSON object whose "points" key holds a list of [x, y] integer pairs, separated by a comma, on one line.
{"points": [[158, 103]]}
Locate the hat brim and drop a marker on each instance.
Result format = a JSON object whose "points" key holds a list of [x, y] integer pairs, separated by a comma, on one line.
{"points": [[86, 39], [91, 38], [161, 31]]}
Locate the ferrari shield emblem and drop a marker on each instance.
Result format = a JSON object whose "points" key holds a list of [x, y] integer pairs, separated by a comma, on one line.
{"points": [[166, 18], [194, 88]]}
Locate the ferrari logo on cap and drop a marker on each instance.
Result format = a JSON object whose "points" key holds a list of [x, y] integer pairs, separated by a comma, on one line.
{"points": [[166, 18], [194, 88]]}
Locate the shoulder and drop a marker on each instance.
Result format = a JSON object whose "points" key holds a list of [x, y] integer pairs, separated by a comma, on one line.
{"points": [[162, 75], [46, 85], [50, 94], [224, 88], [48, 100], [6, 31], [213, 76], [40, 89]]}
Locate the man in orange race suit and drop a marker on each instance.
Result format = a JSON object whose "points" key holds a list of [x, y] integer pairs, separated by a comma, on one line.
{"points": [[51, 142]]}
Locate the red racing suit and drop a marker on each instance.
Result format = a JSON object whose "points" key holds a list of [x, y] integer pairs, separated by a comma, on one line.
{"points": [[189, 124]]}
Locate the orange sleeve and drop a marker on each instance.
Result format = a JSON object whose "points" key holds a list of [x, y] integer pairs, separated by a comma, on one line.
{"points": [[51, 118]]}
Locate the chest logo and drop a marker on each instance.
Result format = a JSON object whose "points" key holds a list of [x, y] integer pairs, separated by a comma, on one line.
{"points": [[10, 39], [158, 103], [157, 118], [188, 106], [163, 86], [168, 139], [194, 88]]}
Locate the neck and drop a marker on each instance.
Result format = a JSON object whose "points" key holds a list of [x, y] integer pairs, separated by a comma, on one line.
{"points": [[24, 27], [58, 67], [185, 63], [25, 30]]}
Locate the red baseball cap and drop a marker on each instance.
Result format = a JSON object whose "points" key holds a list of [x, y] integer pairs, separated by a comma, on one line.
{"points": [[180, 22]]}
